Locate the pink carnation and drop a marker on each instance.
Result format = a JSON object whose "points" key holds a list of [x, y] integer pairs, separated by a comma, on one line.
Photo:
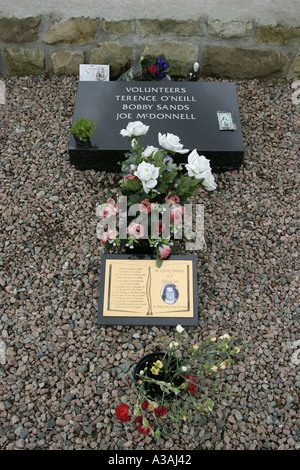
{"points": [[176, 214], [111, 203], [175, 199], [108, 236], [106, 212], [145, 206], [164, 251], [136, 230]]}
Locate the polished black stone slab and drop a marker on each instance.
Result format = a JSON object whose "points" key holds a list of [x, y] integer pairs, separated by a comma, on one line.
{"points": [[186, 109]]}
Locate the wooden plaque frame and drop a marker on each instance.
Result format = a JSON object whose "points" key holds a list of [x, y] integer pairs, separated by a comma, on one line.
{"points": [[134, 291]]}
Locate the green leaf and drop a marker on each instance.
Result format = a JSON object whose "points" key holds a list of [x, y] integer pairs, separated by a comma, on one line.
{"points": [[162, 187], [159, 261], [168, 177], [134, 198], [134, 185]]}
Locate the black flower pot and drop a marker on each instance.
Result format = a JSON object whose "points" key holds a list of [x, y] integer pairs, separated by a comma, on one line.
{"points": [[153, 390], [82, 144]]}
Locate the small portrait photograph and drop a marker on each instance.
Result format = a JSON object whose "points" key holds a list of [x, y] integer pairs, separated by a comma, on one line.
{"points": [[225, 121], [169, 293], [94, 72]]}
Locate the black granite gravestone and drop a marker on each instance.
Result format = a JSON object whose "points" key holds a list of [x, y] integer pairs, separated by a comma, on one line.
{"points": [[186, 109]]}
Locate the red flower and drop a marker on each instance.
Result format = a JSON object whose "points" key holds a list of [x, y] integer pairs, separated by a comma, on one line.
{"points": [[192, 387], [145, 206], [160, 228], [152, 69], [145, 405], [139, 419], [160, 411], [122, 413], [144, 430], [130, 177]]}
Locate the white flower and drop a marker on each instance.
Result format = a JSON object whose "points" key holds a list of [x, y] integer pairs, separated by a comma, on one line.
{"points": [[173, 344], [171, 142], [225, 336], [209, 182], [148, 175], [134, 129], [149, 150], [179, 328], [134, 142], [197, 165], [184, 369]]}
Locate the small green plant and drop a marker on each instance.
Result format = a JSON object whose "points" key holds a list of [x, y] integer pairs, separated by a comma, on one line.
{"points": [[83, 129]]}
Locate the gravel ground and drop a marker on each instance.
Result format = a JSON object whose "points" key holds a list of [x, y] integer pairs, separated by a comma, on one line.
{"points": [[62, 375]]}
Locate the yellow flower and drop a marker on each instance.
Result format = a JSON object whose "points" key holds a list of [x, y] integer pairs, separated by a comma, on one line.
{"points": [[154, 371], [214, 369], [151, 406], [158, 364]]}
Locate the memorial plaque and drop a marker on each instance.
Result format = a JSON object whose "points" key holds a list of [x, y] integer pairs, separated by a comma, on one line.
{"points": [[134, 291], [204, 115]]}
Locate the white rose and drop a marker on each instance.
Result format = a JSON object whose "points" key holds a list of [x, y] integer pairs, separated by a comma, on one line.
{"points": [[179, 328], [171, 142], [134, 129], [209, 182], [149, 150], [148, 175], [197, 165]]}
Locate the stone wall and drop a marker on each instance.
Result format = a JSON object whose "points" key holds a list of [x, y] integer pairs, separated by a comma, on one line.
{"points": [[233, 49]]}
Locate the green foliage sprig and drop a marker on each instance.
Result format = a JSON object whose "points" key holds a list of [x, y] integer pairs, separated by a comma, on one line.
{"points": [[83, 129]]}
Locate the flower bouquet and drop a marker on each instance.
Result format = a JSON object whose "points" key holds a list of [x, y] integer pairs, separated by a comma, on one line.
{"points": [[149, 68], [168, 383], [156, 188]]}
